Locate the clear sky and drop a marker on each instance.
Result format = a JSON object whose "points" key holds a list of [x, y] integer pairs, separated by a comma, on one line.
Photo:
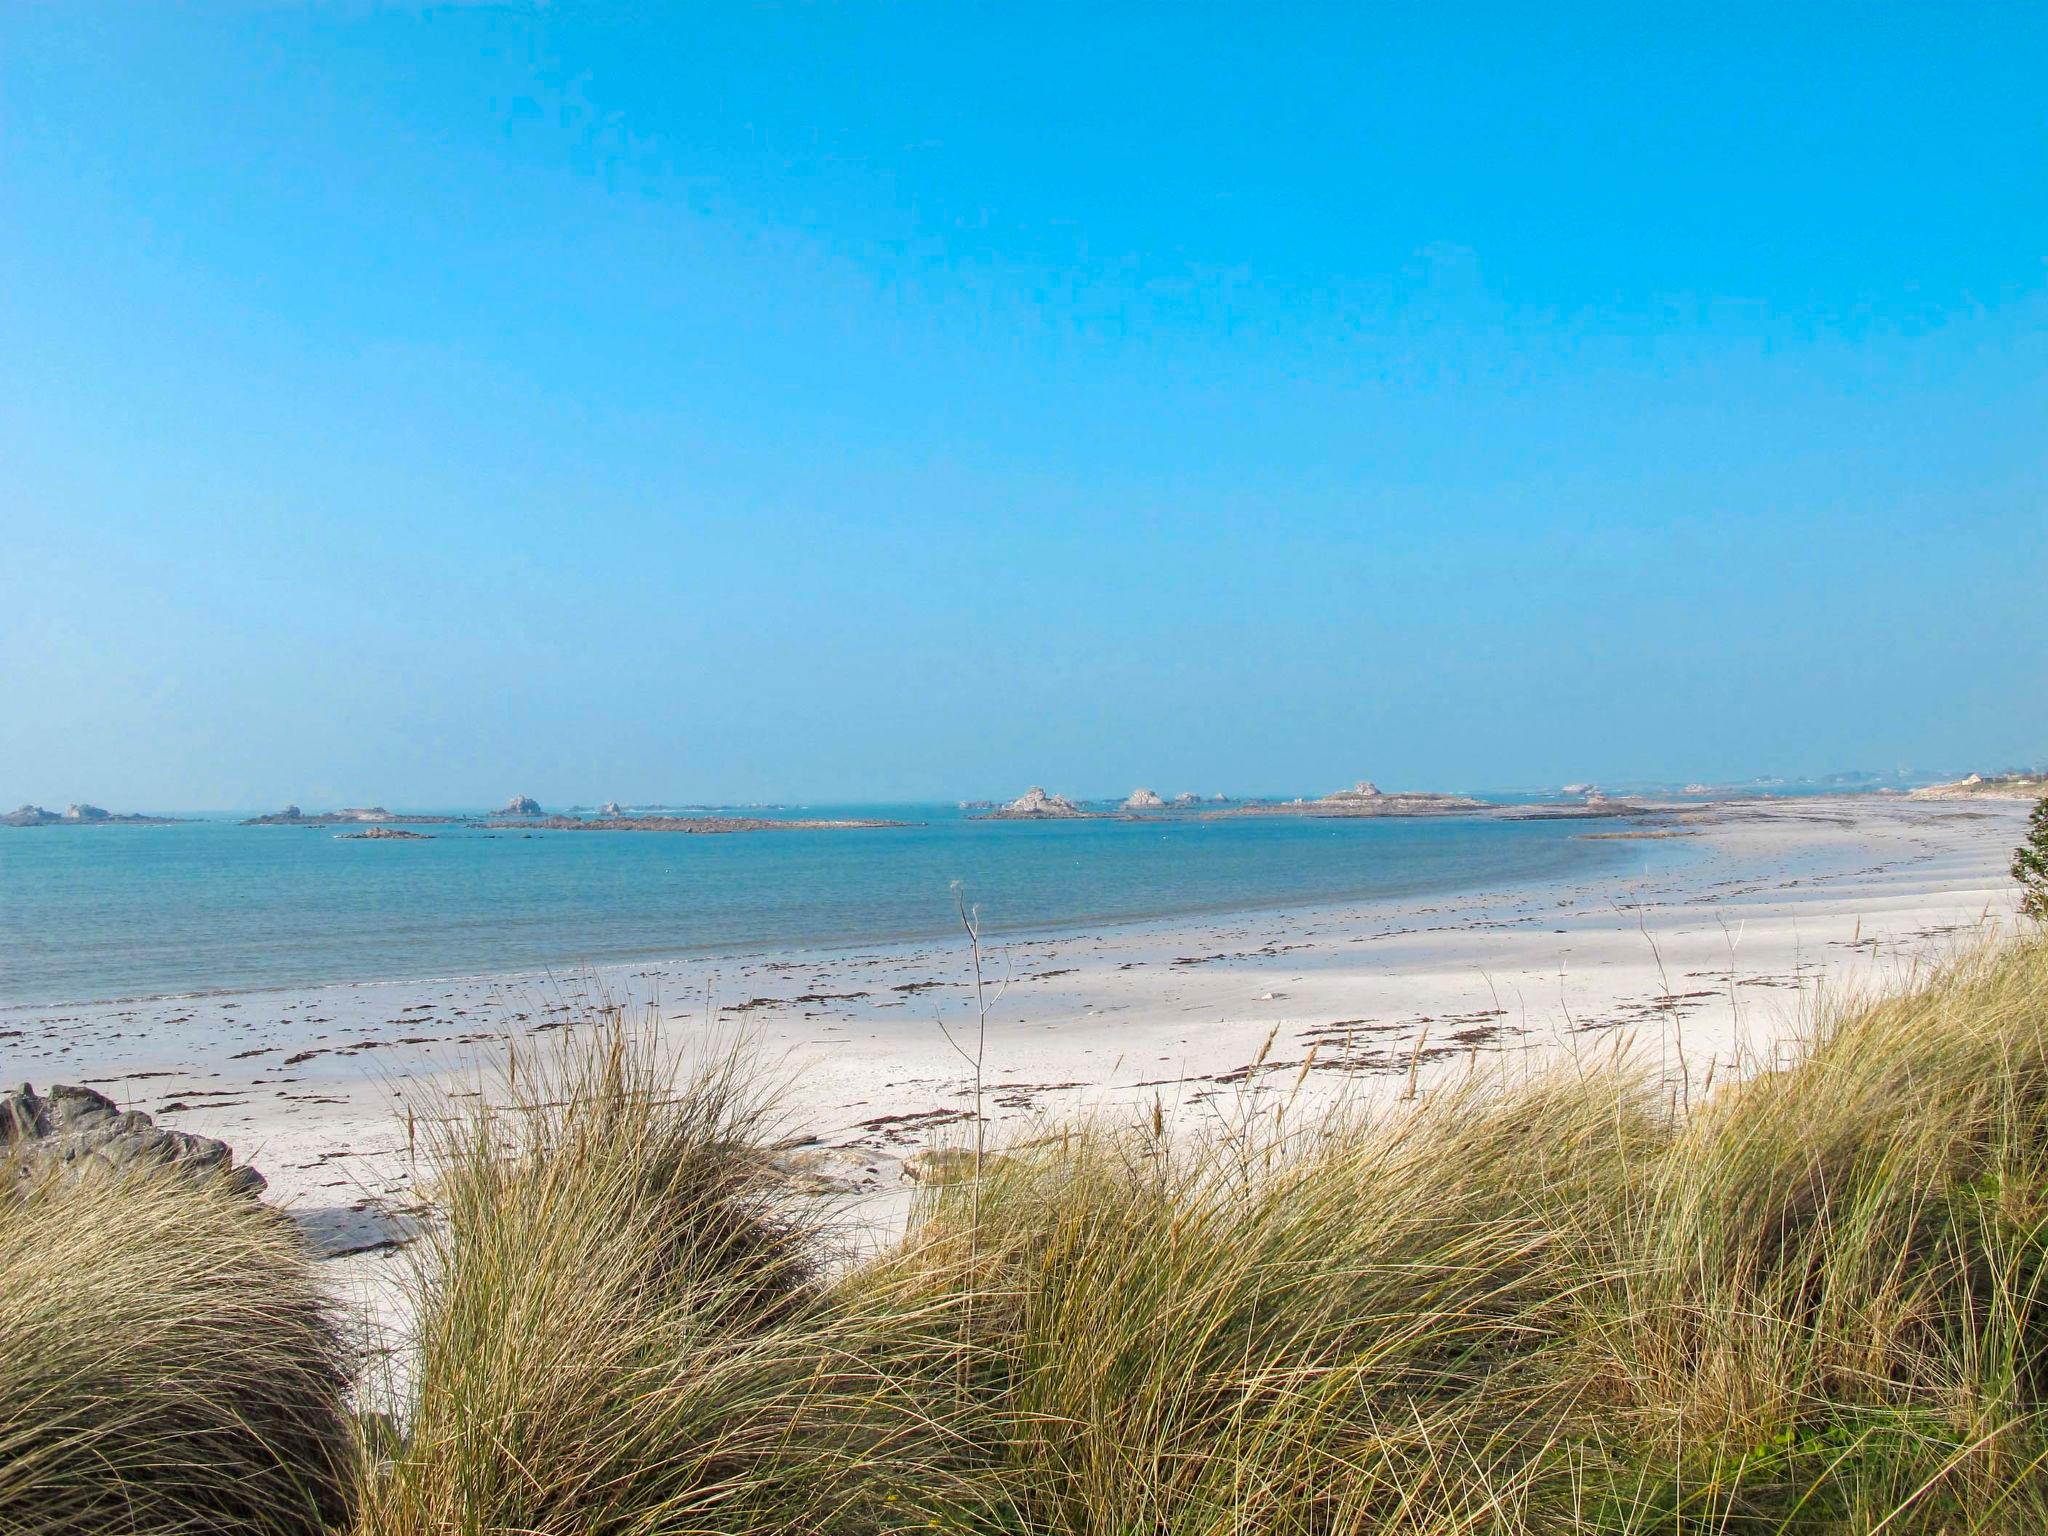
{"points": [[423, 404]]}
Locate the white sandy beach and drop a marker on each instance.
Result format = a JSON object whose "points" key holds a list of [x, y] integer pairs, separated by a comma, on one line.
{"points": [[1713, 961]]}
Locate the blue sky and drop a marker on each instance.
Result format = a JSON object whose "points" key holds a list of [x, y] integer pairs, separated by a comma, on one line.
{"points": [[421, 404]]}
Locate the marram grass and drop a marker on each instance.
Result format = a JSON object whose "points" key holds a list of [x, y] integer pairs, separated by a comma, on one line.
{"points": [[622, 1322], [1831, 1315], [1814, 1303], [166, 1363]]}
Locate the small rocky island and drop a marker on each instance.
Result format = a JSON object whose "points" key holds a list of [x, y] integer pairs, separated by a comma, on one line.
{"points": [[80, 815], [384, 834], [1144, 800], [1035, 805]]}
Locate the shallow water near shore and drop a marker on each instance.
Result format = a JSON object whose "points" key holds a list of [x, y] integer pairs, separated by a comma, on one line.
{"points": [[91, 914]]}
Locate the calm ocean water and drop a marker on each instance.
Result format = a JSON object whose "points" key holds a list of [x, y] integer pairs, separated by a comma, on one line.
{"points": [[112, 912]]}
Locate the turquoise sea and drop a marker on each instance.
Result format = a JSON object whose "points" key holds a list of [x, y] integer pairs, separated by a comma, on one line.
{"points": [[98, 913]]}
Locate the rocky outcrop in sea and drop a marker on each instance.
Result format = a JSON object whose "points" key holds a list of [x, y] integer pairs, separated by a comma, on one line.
{"points": [[1144, 800], [1036, 805], [1364, 789], [520, 805], [75, 1131]]}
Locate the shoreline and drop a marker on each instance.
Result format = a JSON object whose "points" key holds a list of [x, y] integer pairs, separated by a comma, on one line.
{"points": [[507, 997], [1725, 949], [668, 955]]}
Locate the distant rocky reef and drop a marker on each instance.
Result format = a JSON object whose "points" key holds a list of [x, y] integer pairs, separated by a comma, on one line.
{"points": [[1366, 798], [604, 823], [523, 814], [384, 834], [351, 816], [1186, 800], [80, 816]]}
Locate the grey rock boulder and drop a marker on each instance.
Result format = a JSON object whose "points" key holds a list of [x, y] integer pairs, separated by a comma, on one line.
{"points": [[75, 1130]]}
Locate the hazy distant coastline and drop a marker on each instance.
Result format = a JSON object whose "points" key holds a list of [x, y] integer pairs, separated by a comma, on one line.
{"points": [[81, 816], [1362, 799], [522, 813], [705, 823], [2002, 786]]}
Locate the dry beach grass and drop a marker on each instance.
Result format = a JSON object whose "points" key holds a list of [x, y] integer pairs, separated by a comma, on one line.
{"points": [[622, 1322], [167, 1362], [1809, 1302]]}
